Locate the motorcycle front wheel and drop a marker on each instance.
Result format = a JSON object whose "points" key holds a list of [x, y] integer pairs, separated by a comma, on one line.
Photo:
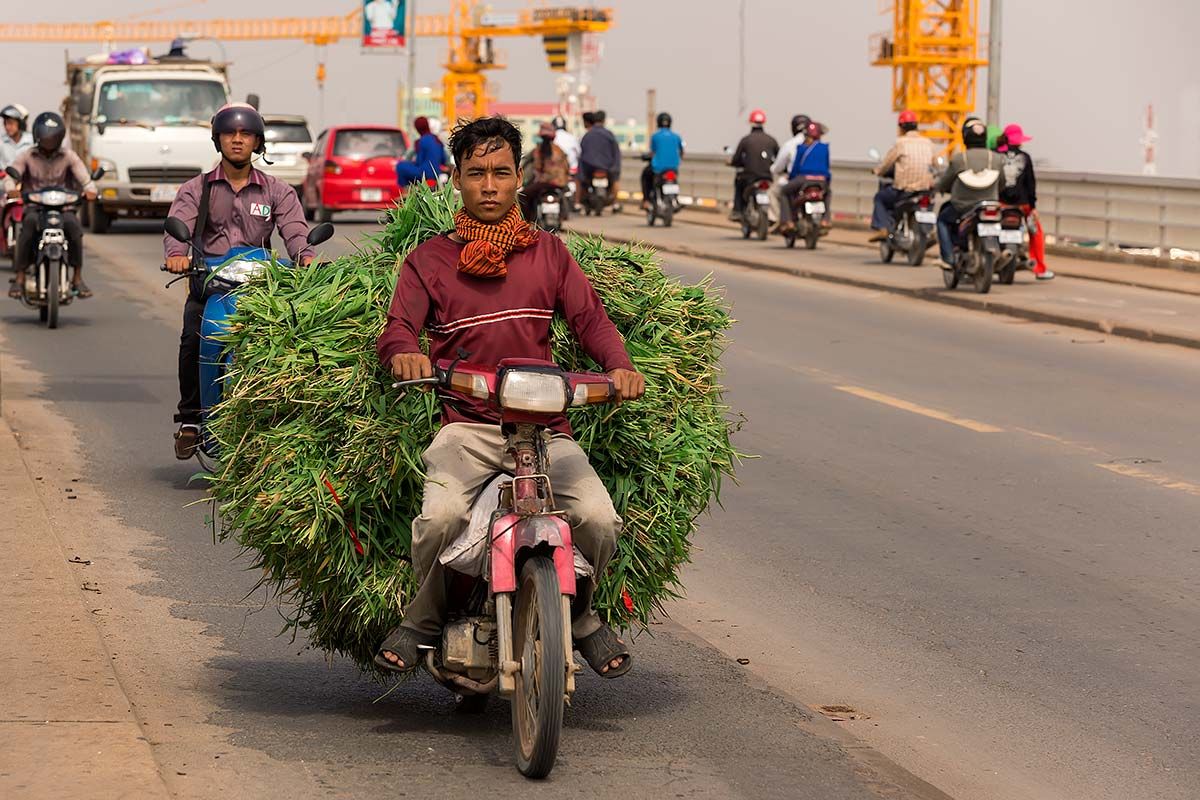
{"points": [[886, 251], [53, 285], [537, 703]]}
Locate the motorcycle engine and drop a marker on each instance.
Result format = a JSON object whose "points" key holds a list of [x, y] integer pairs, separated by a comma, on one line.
{"points": [[469, 647]]}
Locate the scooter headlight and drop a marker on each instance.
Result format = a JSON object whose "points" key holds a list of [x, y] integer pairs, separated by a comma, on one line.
{"points": [[51, 197], [240, 271], [538, 392]]}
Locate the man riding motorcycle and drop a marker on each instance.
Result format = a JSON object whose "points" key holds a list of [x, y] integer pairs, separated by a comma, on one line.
{"points": [[753, 158], [233, 205], [599, 150], [782, 166], [666, 151], [550, 170], [458, 287], [910, 162], [972, 177], [566, 141], [48, 163], [429, 157], [14, 139], [812, 159]]}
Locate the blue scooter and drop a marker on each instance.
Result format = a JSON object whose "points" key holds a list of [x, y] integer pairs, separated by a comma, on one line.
{"points": [[223, 275]]}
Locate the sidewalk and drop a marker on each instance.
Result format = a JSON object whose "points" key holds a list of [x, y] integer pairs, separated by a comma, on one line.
{"points": [[66, 726], [1119, 299]]}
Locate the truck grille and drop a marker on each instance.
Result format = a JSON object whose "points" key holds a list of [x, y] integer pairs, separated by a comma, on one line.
{"points": [[171, 175]]}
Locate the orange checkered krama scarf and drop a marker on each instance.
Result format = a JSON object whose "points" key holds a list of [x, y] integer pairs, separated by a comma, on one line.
{"points": [[489, 244]]}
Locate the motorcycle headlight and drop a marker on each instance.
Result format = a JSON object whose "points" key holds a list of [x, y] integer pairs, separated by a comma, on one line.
{"points": [[240, 271], [539, 392], [52, 197]]}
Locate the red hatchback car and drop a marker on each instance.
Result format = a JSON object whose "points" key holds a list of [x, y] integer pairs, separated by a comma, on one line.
{"points": [[353, 168]]}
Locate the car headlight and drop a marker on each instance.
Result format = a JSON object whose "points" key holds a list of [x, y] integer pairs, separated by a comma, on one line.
{"points": [[539, 392]]}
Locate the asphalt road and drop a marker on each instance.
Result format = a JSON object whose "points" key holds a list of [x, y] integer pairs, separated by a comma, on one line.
{"points": [[976, 532]]}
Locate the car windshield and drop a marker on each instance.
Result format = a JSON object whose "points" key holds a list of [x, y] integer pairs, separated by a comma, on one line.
{"points": [[160, 102], [291, 132], [369, 144]]}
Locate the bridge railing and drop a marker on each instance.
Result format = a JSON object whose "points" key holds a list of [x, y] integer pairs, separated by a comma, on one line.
{"points": [[1134, 215]]}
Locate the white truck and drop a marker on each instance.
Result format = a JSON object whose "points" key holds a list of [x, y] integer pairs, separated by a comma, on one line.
{"points": [[147, 125]]}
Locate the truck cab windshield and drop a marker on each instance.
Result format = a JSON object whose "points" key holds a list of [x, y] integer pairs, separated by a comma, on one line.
{"points": [[153, 103]]}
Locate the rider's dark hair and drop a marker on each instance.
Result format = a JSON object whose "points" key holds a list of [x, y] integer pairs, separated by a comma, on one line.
{"points": [[908, 126], [600, 117], [490, 133]]}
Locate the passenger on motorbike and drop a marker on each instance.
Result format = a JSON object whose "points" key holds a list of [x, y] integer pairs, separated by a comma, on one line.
{"points": [[14, 139], [233, 205], [1020, 189], [972, 177], [812, 159], [910, 163], [755, 154], [48, 163], [491, 288], [666, 152], [566, 142], [599, 150], [428, 159], [550, 170]]}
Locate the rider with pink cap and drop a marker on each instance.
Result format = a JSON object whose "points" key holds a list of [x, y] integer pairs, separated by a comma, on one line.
{"points": [[1020, 189]]}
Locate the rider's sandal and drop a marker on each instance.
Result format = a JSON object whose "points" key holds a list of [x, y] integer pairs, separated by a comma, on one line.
{"points": [[14, 291], [601, 648], [405, 643], [81, 290]]}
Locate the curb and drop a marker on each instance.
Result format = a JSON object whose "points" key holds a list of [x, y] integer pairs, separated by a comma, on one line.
{"points": [[931, 294]]}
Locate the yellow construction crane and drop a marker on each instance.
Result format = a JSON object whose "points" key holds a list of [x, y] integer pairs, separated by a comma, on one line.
{"points": [[934, 55], [469, 28]]}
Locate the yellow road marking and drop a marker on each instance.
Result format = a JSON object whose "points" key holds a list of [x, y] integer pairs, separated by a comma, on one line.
{"points": [[932, 413], [1130, 471]]}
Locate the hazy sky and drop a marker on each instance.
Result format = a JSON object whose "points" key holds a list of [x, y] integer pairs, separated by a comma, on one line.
{"points": [[1077, 74]]}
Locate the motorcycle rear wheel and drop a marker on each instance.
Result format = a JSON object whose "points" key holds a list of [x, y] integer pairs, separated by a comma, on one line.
{"points": [[764, 225], [982, 279], [667, 214], [886, 251], [810, 238], [916, 253], [537, 703], [950, 276]]}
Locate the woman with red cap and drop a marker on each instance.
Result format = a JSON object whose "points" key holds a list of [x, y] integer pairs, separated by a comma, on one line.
{"points": [[429, 160], [1020, 189]]}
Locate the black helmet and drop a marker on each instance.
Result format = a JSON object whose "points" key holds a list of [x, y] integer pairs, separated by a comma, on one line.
{"points": [[974, 133], [16, 111], [799, 123], [49, 130], [239, 117], [663, 120], [559, 123]]}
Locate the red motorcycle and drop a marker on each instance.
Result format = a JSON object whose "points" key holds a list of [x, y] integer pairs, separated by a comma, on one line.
{"points": [[808, 205], [10, 224], [515, 565]]}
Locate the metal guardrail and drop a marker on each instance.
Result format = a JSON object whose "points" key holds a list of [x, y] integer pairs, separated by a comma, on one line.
{"points": [[1146, 216]]}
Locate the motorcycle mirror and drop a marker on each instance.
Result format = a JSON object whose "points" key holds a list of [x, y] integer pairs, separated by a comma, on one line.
{"points": [[98, 173], [941, 161], [177, 229], [12, 173], [307, 155], [873, 154], [320, 233], [727, 150]]}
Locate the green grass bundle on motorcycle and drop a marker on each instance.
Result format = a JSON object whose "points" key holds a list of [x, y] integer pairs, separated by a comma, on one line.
{"points": [[321, 470]]}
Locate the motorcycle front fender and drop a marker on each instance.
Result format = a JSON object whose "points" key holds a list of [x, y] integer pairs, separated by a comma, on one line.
{"points": [[512, 534]]}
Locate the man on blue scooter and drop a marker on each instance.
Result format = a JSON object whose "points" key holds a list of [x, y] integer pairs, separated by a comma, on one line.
{"points": [[233, 205]]}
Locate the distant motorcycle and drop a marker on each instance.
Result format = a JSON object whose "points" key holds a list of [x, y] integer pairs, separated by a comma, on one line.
{"points": [[1014, 244], [976, 248], [552, 210], [47, 284], [756, 208], [222, 275], [597, 193], [912, 229], [664, 202], [809, 206]]}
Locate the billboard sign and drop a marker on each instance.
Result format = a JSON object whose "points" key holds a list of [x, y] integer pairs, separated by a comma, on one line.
{"points": [[383, 23]]}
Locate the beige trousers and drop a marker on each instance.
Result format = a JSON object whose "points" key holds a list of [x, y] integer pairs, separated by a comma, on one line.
{"points": [[462, 458]]}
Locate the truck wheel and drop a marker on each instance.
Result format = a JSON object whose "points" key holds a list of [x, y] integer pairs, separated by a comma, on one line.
{"points": [[98, 218]]}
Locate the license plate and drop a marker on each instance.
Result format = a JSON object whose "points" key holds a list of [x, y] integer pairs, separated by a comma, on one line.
{"points": [[550, 208], [1012, 236], [763, 199], [670, 188], [370, 195], [599, 183], [988, 229], [163, 193], [814, 208], [926, 217]]}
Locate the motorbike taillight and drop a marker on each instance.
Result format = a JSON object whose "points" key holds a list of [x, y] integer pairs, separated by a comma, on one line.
{"points": [[813, 193], [431, 183], [1012, 218], [669, 176], [989, 214], [764, 185], [925, 201]]}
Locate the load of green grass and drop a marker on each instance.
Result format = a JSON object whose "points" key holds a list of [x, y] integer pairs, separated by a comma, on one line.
{"points": [[321, 470]]}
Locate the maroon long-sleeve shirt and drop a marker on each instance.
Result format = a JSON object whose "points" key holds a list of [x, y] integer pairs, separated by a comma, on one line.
{"points": [[496, 318]]}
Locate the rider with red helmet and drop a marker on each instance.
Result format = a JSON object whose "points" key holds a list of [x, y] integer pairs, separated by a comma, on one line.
{"points": [[910, 163], [752, 159]]}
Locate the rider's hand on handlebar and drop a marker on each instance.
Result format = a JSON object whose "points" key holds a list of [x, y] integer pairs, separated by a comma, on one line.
{"points": [[91, 194], [13, 194], [630, 385], [411, 366], [178, 264]]}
